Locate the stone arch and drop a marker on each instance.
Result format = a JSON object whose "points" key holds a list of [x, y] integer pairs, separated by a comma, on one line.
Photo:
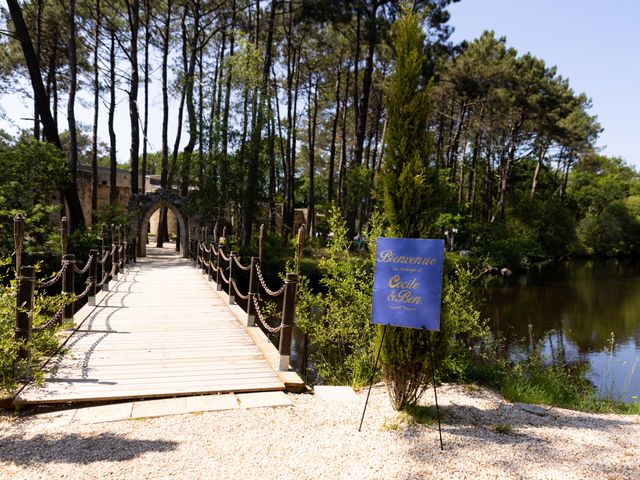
{"points": [[153, 205]]}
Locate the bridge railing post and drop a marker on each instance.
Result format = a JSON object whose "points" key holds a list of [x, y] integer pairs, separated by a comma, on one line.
{"points": [[288, 313], [253, 292], [232, 298], [24, 307], [93, 277], [105, 269], [68, 286], [204, 265], [64, 232], [115, 261], [219, 265], [18, 239], [210, 259]]}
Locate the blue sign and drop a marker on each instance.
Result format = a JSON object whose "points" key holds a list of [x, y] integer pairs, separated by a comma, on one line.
{"points": [[407, 282]]}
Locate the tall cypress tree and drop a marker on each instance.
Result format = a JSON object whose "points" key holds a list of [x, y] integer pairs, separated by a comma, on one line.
{"points": [[412, 194]]}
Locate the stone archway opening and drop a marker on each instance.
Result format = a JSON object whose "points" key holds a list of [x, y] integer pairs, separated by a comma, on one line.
{"points": [[143, 226]]}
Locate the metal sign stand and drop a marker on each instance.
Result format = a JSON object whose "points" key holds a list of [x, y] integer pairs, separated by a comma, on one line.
{"points": [[373, 376], [435, 392]]}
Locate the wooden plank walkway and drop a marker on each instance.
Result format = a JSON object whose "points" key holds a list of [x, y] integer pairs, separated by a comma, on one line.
{"points": [[161, 331]]}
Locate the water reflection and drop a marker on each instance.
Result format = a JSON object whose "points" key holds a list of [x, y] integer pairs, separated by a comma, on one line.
{"points": [[576, 307]]}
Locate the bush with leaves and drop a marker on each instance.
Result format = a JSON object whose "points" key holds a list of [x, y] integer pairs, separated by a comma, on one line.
{"points": [[43, 343], [32, 173], [337, 318]]}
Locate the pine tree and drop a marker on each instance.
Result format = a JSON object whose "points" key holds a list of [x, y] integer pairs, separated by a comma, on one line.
{"points": [[412, 195]]}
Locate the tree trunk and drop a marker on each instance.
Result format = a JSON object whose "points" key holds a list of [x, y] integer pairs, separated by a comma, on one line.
{"points": [[162, 223], [252, 170], [145, 125], [96, 108], [363, 107], [133, 9], [224, 154], [50, 129], [334, 132], [113, 162], [191, 110], [71, 103], [313, 121]]}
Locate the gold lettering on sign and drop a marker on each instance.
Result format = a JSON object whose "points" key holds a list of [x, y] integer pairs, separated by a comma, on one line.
{"points": [[402, 290], [387, 256]]}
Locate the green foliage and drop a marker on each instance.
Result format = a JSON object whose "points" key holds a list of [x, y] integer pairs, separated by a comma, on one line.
{"points": [[413, 195], [534, 381], [32, 173], [337, 319], [42, 344]]}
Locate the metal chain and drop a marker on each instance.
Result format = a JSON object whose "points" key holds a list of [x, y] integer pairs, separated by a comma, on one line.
{"points": [[264, 284], [240, 266], [52, 280], [49, 322], [224, 279], [89, 283], [106, 256], [223, 256], [104, 279], [213, 269], [264, 323], [85, 268], [204, 247], [238, 294]]}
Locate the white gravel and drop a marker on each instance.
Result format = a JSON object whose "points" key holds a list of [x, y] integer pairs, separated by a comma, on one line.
{"points": [[319, 439]]}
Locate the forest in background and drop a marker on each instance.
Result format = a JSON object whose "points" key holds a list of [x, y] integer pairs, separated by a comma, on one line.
{"points": [[283, 102]]}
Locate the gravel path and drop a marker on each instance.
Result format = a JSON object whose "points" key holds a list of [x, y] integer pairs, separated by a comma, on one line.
{"points": [[318, 439]]}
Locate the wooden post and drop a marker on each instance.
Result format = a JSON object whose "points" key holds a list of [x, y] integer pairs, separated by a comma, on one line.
{"points": [[105, 270], [299, 247], [115, 261], [232, 297], [204, 257], [24, 307], [261, 242], [93, 277], [210, 259], [64, 232], [67, 286], [101, 237], [219, 265], [124, 244], [253, 291], [288, 314], [18, 239]]}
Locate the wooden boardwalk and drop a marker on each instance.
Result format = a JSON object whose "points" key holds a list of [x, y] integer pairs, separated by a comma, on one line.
{"points": [[161, 331]]}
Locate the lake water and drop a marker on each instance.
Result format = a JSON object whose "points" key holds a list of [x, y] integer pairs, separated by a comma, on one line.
{"points": [[586, 310]]}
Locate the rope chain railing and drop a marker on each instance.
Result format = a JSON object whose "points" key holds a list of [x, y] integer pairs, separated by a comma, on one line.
{"points": [[52, 280], [263, 321], [212, 259], [85, 269], [27, 283], [237, 291], [272, 293], [236, 260]]}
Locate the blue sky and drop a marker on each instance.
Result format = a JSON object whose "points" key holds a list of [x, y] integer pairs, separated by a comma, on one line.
{"points": [[595, 44]]}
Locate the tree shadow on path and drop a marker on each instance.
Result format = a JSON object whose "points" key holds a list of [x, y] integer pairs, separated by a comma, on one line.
{"points": [[74, 448]]}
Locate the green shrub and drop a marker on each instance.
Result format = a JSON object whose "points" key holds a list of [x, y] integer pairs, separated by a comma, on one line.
{"points": [[337, 318], [42, 343]]}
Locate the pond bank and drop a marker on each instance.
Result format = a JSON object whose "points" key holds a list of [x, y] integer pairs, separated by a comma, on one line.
{"points": [[484, 437]]}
